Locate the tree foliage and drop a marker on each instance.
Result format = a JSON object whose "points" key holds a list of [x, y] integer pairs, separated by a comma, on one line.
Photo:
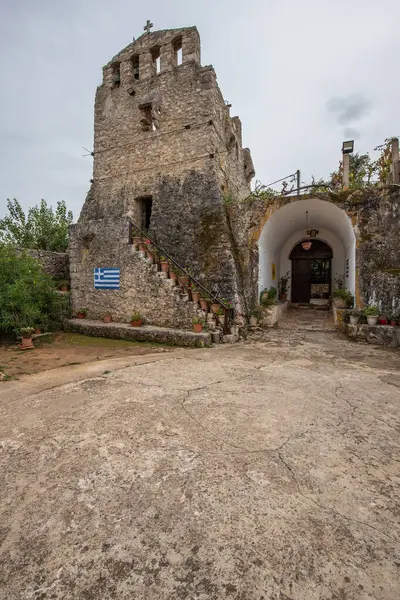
{"points": [[28, 297], [42, 229]]}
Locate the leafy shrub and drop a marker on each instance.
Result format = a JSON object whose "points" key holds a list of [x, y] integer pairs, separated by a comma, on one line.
{"points": [[27, 295], [371, 311], [344, 295]]}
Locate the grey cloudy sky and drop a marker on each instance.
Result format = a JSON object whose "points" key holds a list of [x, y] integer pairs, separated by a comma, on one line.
{"points": [[302, 75]]}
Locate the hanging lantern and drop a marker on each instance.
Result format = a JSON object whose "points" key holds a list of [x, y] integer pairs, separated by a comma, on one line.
{"points": [[306, 245]]}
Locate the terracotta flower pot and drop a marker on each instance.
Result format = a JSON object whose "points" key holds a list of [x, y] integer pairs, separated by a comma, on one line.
{"points": [[173, 275], [214, 307], [136, 323], [26, 343], [164, 266], [203, 304], [195, 296], [80, 315], [197, 327], [184, 280], [107, 318]]}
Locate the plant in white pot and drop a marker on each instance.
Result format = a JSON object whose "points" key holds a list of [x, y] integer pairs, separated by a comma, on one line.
{"points": [[372, 314], [354, 316]]}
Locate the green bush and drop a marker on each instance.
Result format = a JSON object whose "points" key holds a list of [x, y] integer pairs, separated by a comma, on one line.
{"points": [[371, 311], [344, 295], [28, 297]]}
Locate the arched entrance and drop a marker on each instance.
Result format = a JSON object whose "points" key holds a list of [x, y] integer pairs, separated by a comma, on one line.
{"points": [[311, 272], [331, 233]]}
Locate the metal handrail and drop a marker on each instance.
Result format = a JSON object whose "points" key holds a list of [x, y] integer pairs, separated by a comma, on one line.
{"points": [[228, 311]]}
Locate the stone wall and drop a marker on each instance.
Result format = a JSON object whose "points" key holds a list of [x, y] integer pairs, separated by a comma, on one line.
{"points": [[105, 243], [169, 137], [55, 264]]}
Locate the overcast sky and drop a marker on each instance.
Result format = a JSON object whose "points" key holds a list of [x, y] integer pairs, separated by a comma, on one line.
{"points": [[302, 74]]}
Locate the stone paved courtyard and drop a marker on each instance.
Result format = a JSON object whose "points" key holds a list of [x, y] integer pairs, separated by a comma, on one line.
{"points": [[263, 470]]}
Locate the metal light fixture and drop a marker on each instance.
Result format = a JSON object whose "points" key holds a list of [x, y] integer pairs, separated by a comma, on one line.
{"points": [[307, 245], [348, 147]]}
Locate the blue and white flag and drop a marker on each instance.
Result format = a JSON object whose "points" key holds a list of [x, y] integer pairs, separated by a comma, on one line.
{"points": [[106, 279]]}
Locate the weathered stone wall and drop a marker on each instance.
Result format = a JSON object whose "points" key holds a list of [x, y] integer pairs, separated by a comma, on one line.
{"points": [[55, 264], [185, 153], [105, 243]]}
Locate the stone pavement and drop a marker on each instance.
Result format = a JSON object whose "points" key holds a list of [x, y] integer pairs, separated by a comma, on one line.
{"points": [[264, 470], [311, 319]]}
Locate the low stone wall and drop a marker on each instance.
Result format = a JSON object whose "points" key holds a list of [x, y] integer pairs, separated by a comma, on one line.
{"points": [[382, 335], [55, 264], [173, 337], [273, 314]]}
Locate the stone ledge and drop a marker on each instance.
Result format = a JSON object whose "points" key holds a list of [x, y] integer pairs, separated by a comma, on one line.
{"points": [[382, 335], [146, 333]]}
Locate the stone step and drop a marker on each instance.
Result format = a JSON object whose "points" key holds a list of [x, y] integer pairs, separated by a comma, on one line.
{"points": [[145, 333]]}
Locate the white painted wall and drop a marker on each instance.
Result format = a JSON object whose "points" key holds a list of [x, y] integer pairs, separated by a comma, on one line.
{"points": [[286, 227]]}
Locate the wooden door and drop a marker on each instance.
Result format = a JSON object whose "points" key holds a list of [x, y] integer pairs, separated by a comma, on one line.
{"points": [[301, 280]]}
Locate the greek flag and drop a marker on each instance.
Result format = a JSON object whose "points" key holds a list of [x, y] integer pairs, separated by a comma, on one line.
{"points": [[106, 279]]}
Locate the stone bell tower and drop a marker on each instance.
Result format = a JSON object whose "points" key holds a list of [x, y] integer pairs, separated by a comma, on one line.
{"points": [[167, 153]]}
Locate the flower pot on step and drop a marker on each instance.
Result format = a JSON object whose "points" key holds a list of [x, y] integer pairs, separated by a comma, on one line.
{"points": [[107, 318], [137, 323], [164, 266], [372, 320], [195, 296], [203, 304], [197, 327], [354, 320], [382, 321], [184, 280], [80, 315], [26, 343], [173, 275], [393, 323], [214, 307]]}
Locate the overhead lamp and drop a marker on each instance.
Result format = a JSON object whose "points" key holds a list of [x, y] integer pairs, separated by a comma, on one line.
{"points": [[348, 147]]}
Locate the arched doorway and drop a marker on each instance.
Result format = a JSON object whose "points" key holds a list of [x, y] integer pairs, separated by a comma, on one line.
{"points": [[311, 272], [286, 228]]}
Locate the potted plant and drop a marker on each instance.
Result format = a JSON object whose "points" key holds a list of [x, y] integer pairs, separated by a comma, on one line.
{"points": [[214, 307], [382, 320], [64, 286], [172, 274], [392, 320], [283, 286], [136, 319], [183, 279], [354, 316], [221, 315], [204, 303], [268, 297], [342, 298], [198, 324], [371, 313], [195, 295], [26, 335], [107, 318], [227, 303], [164, 264], [81, 313]]}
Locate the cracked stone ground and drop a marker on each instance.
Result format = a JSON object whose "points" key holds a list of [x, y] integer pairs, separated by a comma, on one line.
{"points": [[264, 470]]}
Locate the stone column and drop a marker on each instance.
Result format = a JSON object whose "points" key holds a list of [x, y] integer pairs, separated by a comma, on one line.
{"points": [[167, 57], [146, 66], [126, 73], [108, 76], [191, 47]]}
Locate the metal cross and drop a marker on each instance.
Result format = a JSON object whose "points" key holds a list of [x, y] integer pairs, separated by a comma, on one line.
{"points": [[148, 26]]}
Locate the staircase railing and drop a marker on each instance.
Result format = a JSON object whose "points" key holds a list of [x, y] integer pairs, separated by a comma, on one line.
{"points": [[228, 311]]}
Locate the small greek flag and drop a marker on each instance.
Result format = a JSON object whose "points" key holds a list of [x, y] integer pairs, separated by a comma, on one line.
{"points": [[106, 279]]}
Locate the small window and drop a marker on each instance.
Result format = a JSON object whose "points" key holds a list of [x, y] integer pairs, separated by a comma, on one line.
{"points": [[116, 74], [177, 46], [149, 117], [145, 206], [156, 58], [135, 67]]}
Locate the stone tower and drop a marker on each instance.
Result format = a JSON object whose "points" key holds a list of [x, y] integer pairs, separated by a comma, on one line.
{"points": [[168, 155]]}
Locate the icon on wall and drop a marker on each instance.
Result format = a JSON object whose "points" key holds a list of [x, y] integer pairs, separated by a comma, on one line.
{"points": [[106, 279], [273, 272]]}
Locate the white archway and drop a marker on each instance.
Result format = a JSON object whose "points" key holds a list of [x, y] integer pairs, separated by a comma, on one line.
{"points": [[287, 226]]}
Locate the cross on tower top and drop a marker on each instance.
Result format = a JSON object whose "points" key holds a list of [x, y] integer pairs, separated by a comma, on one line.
{"points": [[148, 26]]}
